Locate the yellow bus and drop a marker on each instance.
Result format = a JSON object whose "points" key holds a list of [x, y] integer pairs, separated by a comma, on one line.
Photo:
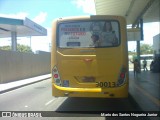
{"points": [[89, 57]]}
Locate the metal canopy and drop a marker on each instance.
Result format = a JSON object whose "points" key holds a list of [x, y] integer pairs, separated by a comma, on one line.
{"points": [[153, 13], [19, 28], [132, 10], [22, 28]]}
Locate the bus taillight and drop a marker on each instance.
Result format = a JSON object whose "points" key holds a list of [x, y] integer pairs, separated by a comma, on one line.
{"points": [[122, 77], [56, 76]]}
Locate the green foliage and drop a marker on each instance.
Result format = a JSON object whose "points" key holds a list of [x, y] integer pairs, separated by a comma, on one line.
{"points": [[24, 48], [146, 49], [20, 48], [5, 48], [132, 53]]}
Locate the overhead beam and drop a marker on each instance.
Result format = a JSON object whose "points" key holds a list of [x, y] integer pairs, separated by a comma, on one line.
{"points": [[129, 8], [142, 12], [4, 29]]}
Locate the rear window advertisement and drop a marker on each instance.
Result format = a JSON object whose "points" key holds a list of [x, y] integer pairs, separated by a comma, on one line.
{"points": [[88, 34]]}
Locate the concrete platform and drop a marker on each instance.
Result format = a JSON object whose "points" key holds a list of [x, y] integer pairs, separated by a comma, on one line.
{"points": [[145, 89]]}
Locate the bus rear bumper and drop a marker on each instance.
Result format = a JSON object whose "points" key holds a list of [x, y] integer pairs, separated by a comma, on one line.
{"points": [[78, 89], [118, 92]]}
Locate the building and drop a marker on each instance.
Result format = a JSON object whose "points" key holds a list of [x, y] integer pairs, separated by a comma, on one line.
{"points": [[156, 44]]}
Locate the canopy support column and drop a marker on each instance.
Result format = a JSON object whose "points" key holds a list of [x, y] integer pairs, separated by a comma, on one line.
{"points": [[138, 42], [14, 40]]}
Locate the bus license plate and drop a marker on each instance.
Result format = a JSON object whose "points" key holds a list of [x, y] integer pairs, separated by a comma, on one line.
{"points": [[106, 84]]}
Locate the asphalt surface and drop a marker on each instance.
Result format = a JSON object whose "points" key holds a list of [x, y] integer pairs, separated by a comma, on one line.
{"points": [[38, 97]]}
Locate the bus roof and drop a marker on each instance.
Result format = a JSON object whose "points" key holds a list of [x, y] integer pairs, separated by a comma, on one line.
{"points": [[87, 17]]}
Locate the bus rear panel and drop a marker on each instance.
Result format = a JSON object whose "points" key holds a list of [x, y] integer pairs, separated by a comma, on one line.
{"points": [[89, 57]]}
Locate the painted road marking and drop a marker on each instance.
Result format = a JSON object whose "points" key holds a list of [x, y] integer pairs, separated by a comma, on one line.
{"points": [[49, 102]]}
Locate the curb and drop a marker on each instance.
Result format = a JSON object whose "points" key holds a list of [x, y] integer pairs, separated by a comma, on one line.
{"points": [[25, 84]]}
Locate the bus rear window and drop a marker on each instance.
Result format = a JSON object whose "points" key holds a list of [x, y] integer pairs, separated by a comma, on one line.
{"points": [[88, 34]]}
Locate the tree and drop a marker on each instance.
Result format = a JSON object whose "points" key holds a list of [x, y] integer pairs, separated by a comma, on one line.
{"points": [[20, 48], [146, 49], [24, 48], [5, 48]]}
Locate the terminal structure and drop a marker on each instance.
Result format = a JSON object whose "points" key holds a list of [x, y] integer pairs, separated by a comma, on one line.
{"points": [[19, 28]]}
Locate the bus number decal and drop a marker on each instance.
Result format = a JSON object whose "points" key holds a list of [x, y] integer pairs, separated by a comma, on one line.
{"points": [[105, 84]]}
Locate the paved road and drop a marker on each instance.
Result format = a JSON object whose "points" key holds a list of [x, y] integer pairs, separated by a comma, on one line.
{"points": [[38, 97]]}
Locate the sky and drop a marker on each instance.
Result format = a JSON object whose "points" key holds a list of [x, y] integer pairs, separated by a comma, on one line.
{"points": [[44, 12]]}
